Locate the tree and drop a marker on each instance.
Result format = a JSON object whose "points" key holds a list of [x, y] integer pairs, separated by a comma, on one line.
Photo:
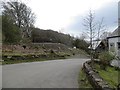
{"points": [[93, 29], [0, 28], [83, 36], [101, 28], [90, 26], [41, 35], [21, 15], [104, 35], [10, 32], [81, 44]]}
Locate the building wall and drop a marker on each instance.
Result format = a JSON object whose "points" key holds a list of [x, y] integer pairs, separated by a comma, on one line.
{"points": [[113, 45], [119, 13], [119, 49]]}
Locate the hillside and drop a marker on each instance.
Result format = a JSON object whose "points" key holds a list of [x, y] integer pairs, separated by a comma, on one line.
{"points": [[38, 52], [37, 48], [41, 35]]}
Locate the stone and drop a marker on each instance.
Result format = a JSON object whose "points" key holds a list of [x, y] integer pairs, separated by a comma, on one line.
{"points": [[9, 57], [98, 79], [95, 78]]}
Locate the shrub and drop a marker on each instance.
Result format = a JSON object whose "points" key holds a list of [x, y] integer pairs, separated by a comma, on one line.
{"points": [[81, 44], [11, 32], [52, 51], [96, 55], [105, 58]]}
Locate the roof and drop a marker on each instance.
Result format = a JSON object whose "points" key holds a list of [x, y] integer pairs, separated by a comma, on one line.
{"points": [[95, 44], [113, 37], [115, 33]]}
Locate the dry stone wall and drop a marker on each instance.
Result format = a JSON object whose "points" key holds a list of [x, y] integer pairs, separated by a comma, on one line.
{"points": [[94, 78]]}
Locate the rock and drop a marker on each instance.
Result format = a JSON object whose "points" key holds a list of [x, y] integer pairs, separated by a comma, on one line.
{"points": [[9, 57], [98, 79], [115, 63]]}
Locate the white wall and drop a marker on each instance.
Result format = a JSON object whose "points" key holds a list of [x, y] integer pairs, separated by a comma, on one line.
{"points": [[115, 41]]}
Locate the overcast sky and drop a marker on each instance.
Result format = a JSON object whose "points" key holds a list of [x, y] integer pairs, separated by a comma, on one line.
{"points": [[67, 15]]}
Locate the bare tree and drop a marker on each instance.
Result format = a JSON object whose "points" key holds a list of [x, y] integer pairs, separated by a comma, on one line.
{"points": [[90, 25], [105, 34], [101, 28], [20, 14], [93, 29], [83, 36]]}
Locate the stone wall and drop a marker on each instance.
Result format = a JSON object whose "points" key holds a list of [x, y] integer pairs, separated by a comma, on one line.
{"points": [[94, 78]]}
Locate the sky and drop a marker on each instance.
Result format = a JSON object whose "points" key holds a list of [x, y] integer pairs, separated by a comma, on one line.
{"points": [[67, 15]]}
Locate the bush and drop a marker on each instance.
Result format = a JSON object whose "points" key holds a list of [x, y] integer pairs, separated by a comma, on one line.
{"points": [[96, 55], [105, 58], [11, 32], [81, 44]]}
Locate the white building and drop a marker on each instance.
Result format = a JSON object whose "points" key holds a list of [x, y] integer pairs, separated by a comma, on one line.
{"points": [[114, 42]]}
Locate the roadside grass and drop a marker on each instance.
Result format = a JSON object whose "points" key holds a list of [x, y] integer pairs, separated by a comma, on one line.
{"points": [[29, 60], [13, 58], [111, 75], [83, 81]]}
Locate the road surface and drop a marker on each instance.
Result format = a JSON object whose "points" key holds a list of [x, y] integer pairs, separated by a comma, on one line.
{"points": [[45, 74]]}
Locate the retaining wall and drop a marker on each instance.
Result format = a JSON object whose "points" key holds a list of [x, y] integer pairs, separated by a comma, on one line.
{"points": [[94, 78]]}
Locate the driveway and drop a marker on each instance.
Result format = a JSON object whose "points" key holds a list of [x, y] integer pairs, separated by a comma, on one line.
{"points": [[45, 74]]}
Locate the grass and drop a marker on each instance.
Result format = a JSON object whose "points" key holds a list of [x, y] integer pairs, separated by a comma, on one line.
{"points": [[20, 61], [16, 58], [30, 60], [110, 75], [49, 56], [83, 81]]}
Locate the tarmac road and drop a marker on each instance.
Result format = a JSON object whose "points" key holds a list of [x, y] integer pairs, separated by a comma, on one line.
{"points": [[45, 74]]}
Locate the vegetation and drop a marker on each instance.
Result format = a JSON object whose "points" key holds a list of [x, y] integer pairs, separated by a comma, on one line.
{"points": [[21, 15], [19, 58], [111, 75], [0, 28], [83, 81], [18, 28], [105, 58], [41, 35], [20, 36], [93, 29], [16, 53], [81, 44], [10, 32], [14, 61]]}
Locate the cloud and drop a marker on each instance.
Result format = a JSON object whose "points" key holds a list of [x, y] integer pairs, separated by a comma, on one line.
{"points": [[57, 14], [110, 14], [69, 14], [109, 11]]}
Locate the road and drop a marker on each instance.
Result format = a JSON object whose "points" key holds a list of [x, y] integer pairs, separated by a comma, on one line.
{"points": [[45, 74]]}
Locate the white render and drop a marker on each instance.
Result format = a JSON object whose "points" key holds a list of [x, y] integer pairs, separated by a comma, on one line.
{"points": [[114, 49]]}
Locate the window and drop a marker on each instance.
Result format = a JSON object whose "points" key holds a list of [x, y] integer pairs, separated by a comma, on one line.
{"points": [[118, 45], [112, 47], [111, 44]]}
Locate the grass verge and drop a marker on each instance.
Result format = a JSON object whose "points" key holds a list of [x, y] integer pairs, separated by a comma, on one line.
{"points": [[29, 60], [83, 81], [110, 75]]}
